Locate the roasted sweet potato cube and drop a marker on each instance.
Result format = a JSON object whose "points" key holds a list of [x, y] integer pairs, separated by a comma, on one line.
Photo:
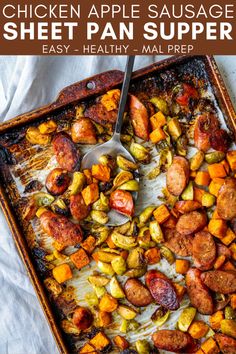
{"points": [[87, 348], [153, 255], [198, 329], [182, 266], [158, 120], [121, 342], [105, 318], [58, 246], [90, 193], [202, 178], [89, 244], [80, 258], [198, 194], [101, 172], [229, 237], [108, 303], [180, 291], [217, 227], [157, 135], [100, 341], [219, 261], [233, 301], [231, 158], [88, 176], [215, 186], [161, 214], [217, 170], [62, 273], [210, 347], [216, 319]]}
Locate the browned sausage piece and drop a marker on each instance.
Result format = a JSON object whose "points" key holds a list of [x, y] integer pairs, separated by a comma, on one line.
{"points": [[198, 293], [220, 281], [192, 222], [226, 344], [82, 318], [79, 210], [181, 245], [100, 114], [177, 176], [139, 118], [57, 181], [173, 340], [137, 294], [162, 290], [61, 228], [66, 153], [204, 250], [83, 131], [204, 126], [226, 200]]}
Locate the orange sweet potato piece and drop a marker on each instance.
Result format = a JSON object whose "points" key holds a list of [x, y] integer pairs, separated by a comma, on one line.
{"points": [[180, 291], [105, 318], [87, 348], [110, 243], [121, 342], [231, 158], [226, 166], [215, 186], [101, 172], [88, 176], [233, 250], [80, 258], [217, 227], [62, 273], [170, 223], [210, 346], [217, 170], [100, 341], [219, 261], [198, 194], [158, 120], [108, 303], [233, 301], [181, 266], [229, 237], [202, 178], [153, 255], [89, 244], [215, 319], [198, 329], [157, 135], [90, 193], [161, 214], [215, 215]]}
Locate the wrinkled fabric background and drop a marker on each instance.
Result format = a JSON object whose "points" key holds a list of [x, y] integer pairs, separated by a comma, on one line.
{"points": [[28, 82]]}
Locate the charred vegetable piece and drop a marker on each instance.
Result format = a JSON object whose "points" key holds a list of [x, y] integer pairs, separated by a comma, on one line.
{"points": [[67, 155], [125, 164], [77, 184], [186, 318], [140, 153], [61, 228], [47, 127], [34, 136], [220, 140], [160, 316], [122, 201], [139, 118]]}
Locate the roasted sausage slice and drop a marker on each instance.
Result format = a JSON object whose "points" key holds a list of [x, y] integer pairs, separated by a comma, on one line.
{"points": [[205, 125], [79, 210], [181, 245], [61, 228], [82, 318], [139, 118], [177, 176], [66, 153], [220, 140], [226, 200], [220, 281], [204, 250], [198, 293], [226, 344], [173, 340], [57, 181], [83, 131], [137, 294], [98, 113], [192, 222], [162, 290]]}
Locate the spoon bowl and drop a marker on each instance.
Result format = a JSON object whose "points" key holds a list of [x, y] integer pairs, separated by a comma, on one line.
{"points": [[114, 147]]}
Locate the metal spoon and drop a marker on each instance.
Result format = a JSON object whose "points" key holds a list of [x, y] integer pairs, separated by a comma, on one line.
{"points": [[113, 147]]}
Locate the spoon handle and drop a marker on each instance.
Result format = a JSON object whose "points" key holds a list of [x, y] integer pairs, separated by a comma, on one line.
{"points": [[124, 93]]}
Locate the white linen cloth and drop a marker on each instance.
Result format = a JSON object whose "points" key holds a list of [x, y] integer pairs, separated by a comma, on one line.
{"points": [[27, 82]]}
